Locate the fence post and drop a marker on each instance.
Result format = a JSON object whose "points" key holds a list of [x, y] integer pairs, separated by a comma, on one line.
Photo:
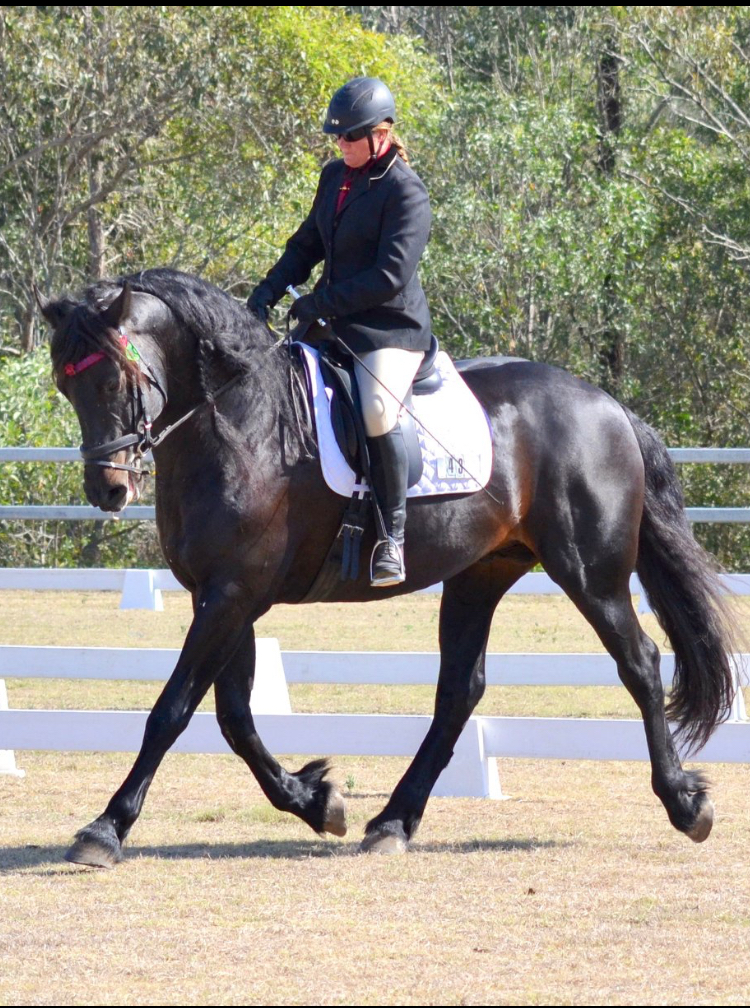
{"points": [[7, 757], [470, 773], [270, 693]]}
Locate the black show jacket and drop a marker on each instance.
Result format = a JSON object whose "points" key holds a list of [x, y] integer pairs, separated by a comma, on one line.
{"points": [[369, 288]]}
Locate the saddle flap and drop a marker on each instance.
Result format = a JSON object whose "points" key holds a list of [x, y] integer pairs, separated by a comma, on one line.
{"points": [[346, 416], [346, 411]]}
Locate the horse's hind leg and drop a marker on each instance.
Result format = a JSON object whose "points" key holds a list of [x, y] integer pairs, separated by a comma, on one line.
{"points": [[601, 592], [469, 601], [307, 793]]}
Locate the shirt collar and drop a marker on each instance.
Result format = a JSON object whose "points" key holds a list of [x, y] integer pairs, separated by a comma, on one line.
{"points": [[384, 163]]}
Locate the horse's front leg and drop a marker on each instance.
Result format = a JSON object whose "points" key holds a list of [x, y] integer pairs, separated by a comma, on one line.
{"points": [[306, 793], [215, 634]]}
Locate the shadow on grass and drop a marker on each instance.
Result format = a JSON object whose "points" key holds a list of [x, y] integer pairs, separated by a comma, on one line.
{"points": [[474, 846], [52, 859], [14, 859]]}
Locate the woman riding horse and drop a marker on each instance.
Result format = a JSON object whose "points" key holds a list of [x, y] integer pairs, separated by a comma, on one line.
{"points": [[579, 484], [369, 223]]}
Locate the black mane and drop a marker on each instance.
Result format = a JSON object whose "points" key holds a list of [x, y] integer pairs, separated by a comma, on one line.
{"points": [[218, 321], [228, 337], [222, 326]]}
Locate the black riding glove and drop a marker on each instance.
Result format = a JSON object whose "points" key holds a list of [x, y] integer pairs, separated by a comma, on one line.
{"points": [[305, 309], [261, 300]]}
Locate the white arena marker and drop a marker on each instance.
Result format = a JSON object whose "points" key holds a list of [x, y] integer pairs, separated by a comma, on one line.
{"points": [[470, 773], [7, 757], [138, 591], [270, 693]]}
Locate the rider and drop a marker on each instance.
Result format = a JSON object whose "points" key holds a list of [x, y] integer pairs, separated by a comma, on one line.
{"points": [[369, 224]]}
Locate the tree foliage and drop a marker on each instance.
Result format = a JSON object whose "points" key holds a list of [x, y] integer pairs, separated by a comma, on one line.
{"points": [[594, 210], [186, 136], [588, 169]]}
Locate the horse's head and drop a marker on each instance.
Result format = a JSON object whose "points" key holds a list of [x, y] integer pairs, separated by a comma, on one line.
{"points": [[98, 367]]}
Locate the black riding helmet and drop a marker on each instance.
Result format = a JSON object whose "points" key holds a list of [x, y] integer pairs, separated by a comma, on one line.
{"points": [[361, 102]]}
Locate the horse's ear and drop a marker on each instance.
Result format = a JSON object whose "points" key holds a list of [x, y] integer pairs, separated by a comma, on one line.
{"points": [[119, 310], [55, 312]]}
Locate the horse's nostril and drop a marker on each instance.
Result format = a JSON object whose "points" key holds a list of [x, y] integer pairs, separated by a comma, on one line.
{"points": [[115, 496]]}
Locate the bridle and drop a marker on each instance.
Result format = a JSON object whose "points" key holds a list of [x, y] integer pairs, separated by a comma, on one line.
{"points": [[141, 439]]}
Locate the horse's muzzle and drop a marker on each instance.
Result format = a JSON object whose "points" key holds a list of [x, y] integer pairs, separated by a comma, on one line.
{"points": [[111, 489]]}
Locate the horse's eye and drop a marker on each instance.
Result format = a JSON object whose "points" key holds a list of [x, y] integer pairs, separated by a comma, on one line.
{"points": [[112, 386]]}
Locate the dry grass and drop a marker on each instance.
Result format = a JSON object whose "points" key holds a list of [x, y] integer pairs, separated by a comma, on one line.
{"points": [[522, 623], [575, 891]]}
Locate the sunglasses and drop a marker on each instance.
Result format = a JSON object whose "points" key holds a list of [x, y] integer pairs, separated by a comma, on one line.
{"points": [[357, 134]]}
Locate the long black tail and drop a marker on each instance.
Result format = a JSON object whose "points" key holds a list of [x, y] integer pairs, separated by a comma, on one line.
{"points": [[683, 588]]}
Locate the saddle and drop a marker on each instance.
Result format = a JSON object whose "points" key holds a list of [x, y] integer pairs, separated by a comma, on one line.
{"points": [[337, 369], [453, 435]]}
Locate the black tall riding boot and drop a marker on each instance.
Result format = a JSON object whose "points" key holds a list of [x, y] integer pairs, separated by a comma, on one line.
{"points": [[389, 470]]}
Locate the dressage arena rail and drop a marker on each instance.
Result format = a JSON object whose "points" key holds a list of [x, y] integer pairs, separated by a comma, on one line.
{"points": [[80, 512], [472, 772]]}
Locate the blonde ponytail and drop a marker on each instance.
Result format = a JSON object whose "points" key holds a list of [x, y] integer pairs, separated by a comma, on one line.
{"points": [[396, 141]]}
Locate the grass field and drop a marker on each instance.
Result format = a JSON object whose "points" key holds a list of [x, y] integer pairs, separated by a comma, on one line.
{"points": [[575, 891]]}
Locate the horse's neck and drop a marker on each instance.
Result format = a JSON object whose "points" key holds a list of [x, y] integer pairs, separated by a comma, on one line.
{"points": [[250, 405]]}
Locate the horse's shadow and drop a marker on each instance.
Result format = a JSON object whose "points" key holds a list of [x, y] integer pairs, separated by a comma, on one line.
{"points": [[51, 860]]}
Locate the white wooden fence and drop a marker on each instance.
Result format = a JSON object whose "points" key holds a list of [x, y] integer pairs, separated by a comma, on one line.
{"points": [[472, 772], [37, 512], [142, 589]]}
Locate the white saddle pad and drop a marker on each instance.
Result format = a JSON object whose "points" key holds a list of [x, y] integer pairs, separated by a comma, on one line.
{"points": [[453, 430]]}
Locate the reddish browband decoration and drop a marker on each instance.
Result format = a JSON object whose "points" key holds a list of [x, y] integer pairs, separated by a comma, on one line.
{"points": [[94, 358]]}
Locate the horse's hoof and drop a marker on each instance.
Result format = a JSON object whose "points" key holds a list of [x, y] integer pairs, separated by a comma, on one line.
{"points": [[92, 853], [383, 843], [335, 814], [96, 845], [703, 823]]}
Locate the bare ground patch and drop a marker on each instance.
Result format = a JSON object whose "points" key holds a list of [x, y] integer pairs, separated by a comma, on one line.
{"points": [[575, 891]]}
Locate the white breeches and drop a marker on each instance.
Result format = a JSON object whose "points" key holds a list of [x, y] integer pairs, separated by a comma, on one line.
{"points": [[393, 367]]}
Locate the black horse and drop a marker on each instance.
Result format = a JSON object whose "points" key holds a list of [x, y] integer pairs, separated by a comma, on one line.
{"points": [[579, 484]]}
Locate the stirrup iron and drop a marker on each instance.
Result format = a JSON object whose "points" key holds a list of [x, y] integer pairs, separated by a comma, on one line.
{"points": [[387, 564]]}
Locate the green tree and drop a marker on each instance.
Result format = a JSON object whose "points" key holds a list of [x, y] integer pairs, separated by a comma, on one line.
{"points": [[185, 136]]}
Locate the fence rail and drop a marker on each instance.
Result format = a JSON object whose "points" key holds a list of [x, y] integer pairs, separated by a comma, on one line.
{"points": [[472, 772], [361, 735], [45, 512], [388, 668]]}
